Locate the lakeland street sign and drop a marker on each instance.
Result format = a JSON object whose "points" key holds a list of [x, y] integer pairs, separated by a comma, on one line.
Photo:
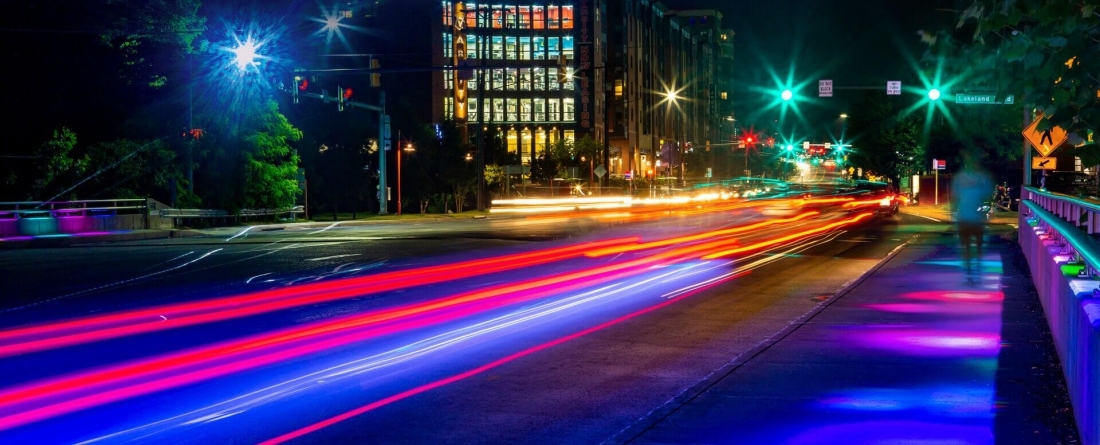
{"points": [[982, 99]]}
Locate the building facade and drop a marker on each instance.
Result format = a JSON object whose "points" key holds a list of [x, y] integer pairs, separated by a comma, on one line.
{"points": [[542, 71]]}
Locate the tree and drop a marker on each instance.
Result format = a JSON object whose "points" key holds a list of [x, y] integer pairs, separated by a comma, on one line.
{"points": [[59, 166], [886, 143], [1042, 51], [271, 167], [126, 168]]}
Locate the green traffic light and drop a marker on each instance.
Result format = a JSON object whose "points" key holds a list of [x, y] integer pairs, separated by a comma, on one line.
{"points": [[933, 94], [789, 147], [787, 95]]}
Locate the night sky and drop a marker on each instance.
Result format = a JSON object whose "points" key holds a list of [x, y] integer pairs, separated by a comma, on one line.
{"points": [[855, 43]]}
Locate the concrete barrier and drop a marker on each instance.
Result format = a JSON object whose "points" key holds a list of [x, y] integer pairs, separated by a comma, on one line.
{"points": [[1072, 311]]}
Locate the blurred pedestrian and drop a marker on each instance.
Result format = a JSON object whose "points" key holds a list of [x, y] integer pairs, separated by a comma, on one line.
{"points": [[971, 187]]}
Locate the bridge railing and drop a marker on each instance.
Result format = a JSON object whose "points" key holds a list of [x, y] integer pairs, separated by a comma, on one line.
{"points": [[87, 207], [1059, 236]]}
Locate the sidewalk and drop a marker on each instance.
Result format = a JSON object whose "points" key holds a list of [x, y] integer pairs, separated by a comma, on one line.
{"points": [[919, 350]]}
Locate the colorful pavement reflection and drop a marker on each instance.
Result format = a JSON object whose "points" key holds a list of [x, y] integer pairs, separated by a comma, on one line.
{"points": [[909, 355]]}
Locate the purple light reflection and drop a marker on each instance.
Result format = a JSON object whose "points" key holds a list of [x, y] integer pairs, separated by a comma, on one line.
{"points": [[929, 342], [895, 432]]}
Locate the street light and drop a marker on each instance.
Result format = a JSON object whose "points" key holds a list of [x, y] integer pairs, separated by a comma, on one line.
{"points": [[787, 95], [409, 148], [843, 115], [933, 94]]}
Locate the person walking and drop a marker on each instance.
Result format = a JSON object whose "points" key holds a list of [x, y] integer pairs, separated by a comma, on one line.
{"points": [[970, 188]]}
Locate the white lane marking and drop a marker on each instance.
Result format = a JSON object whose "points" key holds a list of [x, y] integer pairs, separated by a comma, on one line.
{"points": [[927, 217], [326, 228], [255, 277], [332, 257], [239, 233]]}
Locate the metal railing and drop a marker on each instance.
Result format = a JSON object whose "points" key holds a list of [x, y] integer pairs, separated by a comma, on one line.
{"points": [[25, 209], [1071, 222]]}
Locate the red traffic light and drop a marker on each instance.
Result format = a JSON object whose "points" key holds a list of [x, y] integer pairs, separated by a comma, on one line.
{"points": [[748, 139], [347, 93], [303, 84]]}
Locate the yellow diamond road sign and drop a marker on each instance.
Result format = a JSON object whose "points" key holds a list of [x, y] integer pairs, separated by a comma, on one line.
{"points": [[1044, 141]]}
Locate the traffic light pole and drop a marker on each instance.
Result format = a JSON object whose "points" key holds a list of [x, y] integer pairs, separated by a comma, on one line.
{"points": [[383, 135]]}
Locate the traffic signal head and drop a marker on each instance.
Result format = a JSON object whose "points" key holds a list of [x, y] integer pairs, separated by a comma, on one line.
{"points": [[786, 95], [748, 139], [375, 78], [789, 147]]}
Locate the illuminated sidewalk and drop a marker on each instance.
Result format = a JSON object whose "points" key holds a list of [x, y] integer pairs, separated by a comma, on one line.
{"points": [[920, 351]]}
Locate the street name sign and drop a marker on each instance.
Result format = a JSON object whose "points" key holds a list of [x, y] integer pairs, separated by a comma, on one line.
{"points": [[893, 87], [976, 98], [825, 88], [1044, 163], [1044, 141]]}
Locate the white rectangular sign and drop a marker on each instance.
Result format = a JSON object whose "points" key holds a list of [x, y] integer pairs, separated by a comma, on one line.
{"points": [[893, 87], [825, 88]]}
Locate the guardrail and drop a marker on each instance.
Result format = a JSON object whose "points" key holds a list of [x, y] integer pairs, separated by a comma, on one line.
{"points": [[1058, 234], [21, 209]]}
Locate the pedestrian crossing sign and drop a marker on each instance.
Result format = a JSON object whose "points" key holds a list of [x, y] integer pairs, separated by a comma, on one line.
{"points": [[1044, 141]]}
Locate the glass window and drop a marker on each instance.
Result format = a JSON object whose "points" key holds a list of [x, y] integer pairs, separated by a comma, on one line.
{"points": [[448, 44], [566, 17], [554, 107], [525, 79], [540, 141], [554, 50], [567, 46], [567, 109], [471, 110], [513, 141], [540, 110], [448, 13], [539, 44], [472, 83], [538, 17], [525, 156], [483, 17], [498, 47], [471, 16], [511, 110], [525, 110], [524, 48], [552, 78], [554, 17], [539, 79], [511, 79], [509, 16], [471, 47], [498, 109], [569, 136], [524, 17], [448, 80], [619, 88], [498, 79], [510, 47], [448, 108]]}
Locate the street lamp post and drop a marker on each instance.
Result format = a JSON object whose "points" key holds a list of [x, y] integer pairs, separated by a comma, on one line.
{"points": [[407, 146]]}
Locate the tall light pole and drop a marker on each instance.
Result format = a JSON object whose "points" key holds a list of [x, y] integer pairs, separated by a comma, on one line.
{"points": [[406, 146]]}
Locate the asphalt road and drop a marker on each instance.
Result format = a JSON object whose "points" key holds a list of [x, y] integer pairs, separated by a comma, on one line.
{"points": [[610, 346]]}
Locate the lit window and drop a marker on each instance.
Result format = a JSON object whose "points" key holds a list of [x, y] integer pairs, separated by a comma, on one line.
{"points": [[619, 88], [346, 14], [723, 95]]}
